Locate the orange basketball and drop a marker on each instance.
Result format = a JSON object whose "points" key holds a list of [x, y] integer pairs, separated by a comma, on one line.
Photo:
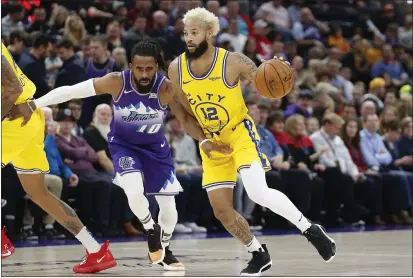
{"points": [[274, 79]]}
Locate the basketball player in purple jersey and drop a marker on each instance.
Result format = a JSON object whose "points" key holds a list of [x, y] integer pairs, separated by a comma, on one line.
{"points": [[141, 154]]}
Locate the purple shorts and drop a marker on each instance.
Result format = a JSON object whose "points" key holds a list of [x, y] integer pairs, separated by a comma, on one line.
{"points": [[153, 161]]}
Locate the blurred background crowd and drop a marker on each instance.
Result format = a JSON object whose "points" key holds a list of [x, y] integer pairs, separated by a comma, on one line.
{"points": [[340, 143]]}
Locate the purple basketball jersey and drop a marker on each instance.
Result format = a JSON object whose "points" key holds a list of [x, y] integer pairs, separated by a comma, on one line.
{"points": [[137, 141], [138, 118]]}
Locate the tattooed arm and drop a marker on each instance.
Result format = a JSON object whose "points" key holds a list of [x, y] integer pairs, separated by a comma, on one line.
{"points": [[11, 88], [243, 66]]}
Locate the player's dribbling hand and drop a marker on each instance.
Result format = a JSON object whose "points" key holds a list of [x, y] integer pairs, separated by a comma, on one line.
{"points": [[209, 147], [278, 58], [20, 111]]}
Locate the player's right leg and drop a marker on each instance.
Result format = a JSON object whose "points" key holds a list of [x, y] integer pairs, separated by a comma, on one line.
{"points": [[128, 170], [132, 184], [7, 248], [219, 180], [98, 257]]}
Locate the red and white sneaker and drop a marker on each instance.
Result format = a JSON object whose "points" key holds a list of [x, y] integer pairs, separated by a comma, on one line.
{"points": [[7, 249], [96, 262]]}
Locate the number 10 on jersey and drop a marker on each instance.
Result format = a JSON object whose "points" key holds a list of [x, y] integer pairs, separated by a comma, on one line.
{"points": [[149, 129]]}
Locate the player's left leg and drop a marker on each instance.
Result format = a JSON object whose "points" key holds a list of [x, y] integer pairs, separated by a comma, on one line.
{"points": [[167, 218], [251, 163]]}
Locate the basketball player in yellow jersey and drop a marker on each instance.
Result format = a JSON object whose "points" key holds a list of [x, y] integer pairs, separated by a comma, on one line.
{"points": [[22, 145], [207, 79]]}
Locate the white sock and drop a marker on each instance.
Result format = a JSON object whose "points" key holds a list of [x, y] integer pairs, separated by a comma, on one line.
{"points": [[303, 224], [86, 238], [168, 217], [254, 245], [257, 189], [147, 222]]}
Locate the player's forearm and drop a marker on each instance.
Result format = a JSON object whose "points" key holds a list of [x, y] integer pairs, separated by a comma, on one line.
{"points": [[192, 127], [65, 93], [189, 123]]}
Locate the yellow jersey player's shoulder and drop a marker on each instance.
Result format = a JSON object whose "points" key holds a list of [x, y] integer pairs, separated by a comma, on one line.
{"points": [[5, 52], [28, 86]]}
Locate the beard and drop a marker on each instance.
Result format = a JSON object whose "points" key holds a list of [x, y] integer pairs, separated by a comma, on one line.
{"points": [[198, 52], [144, 89], [103, 129]]}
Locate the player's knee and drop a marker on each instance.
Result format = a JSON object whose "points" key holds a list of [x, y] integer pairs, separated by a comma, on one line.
{"points": [[166, 203], [131, 183]]}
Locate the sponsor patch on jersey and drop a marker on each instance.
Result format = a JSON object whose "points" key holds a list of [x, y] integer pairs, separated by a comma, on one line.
{"points": [[153, 95]]}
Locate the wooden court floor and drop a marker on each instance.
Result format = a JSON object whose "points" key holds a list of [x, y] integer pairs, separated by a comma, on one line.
{"points": [[380, 253]]}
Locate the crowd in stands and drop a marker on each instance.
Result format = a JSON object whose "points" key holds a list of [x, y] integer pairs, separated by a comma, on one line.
{"points": [[340, 143]]}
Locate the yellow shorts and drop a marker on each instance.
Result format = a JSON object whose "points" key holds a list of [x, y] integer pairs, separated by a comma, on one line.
{"points": [[24, 146], [221, 170]]}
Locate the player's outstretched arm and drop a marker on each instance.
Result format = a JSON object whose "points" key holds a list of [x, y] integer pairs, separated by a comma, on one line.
{"points": [[11, 88], [109, 84]]}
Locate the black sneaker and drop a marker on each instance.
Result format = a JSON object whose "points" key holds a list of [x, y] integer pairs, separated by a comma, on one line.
{"points": [[325, 245], [27, 233], [260, 262], [156, 250], [52, 233], [170, 262]]}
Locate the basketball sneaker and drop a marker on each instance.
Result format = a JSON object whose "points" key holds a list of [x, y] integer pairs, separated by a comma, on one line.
{"points": [[260, 262], [96, 262], [7, 249], [170, 263], [156, 250], [325, 245]]}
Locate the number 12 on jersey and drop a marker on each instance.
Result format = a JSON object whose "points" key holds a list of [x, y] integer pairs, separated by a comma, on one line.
{"points": [[151, 129], [210, 113]]}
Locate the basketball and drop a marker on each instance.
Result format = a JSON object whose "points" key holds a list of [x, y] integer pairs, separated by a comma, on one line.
{"points": [[274, 79]]}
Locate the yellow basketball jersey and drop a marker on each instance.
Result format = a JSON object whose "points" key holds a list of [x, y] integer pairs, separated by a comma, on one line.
{"points": [[217, 105], [28, 86]]}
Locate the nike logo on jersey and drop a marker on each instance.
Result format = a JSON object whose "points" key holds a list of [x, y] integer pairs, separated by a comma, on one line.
{"points": [[163, 144], [99, 260], [214, 78], [186, 82], [127, 92]]}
